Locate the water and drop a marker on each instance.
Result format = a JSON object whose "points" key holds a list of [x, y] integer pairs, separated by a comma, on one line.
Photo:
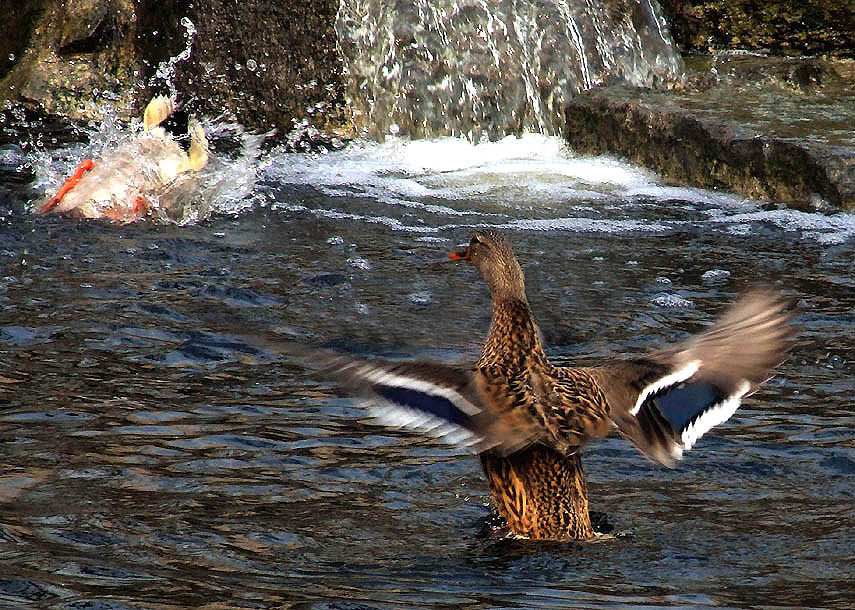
{"points": [[481, 69], [158, 454]]}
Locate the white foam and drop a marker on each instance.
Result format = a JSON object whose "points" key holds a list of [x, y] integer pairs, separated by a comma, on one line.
{"points": [[825, 229], [672, 301], [715, 275], [392, 223], [529, 183], [586, 225], [718, 199], [533, 167]]}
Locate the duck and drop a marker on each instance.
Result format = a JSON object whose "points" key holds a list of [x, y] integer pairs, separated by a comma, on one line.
{"points": [[529, 420], [149, 175]]}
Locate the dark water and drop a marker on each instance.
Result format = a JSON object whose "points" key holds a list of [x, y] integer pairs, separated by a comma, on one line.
{"points": [[157, 455]]}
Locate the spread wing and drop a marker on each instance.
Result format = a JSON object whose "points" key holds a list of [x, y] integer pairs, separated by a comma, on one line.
{"points": [[453, 404], [663, 402], [487, 408], [666, 401]]}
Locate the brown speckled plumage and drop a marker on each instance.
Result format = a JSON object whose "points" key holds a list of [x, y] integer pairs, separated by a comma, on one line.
{"points": [[540, 493], [529, 419], [540, 489]]}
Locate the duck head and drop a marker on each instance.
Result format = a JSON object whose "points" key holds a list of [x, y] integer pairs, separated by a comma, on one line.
{"points": [[492, 254]]}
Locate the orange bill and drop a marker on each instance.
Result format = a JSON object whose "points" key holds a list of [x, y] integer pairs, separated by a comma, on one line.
{"points": [[460, 256]]}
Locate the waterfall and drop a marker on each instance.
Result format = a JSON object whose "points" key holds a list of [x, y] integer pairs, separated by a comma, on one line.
{"points": [[483, 69]]}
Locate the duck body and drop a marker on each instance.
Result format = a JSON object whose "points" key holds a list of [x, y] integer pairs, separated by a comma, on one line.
{"points": [[529, 420], [149, 174], [540, 493], [538, 490]]}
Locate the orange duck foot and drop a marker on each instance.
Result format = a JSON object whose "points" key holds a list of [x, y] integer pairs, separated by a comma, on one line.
{"points": [[83, 167], [127, 214]]}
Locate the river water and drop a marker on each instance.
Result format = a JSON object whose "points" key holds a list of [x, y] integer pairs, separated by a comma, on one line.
{"points": [[159, 454]]}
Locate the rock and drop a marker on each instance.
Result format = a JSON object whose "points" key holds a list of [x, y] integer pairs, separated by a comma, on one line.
{"points": [[271, 64], [71, 56], [19, 20], [778, 26], [773, 143], [268, 64]]}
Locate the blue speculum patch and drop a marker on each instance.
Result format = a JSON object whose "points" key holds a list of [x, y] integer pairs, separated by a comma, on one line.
{"points": [[438, 406], [684, 403]]}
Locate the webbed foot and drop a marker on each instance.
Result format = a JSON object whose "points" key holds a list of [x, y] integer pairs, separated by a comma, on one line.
{"points": [[83, 167]]}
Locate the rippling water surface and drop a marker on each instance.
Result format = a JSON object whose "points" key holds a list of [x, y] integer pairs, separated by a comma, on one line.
{"points": [[158, 452]]}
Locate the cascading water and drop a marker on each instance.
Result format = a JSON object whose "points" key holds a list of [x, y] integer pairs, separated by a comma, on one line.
{"points": [[488, 68]]}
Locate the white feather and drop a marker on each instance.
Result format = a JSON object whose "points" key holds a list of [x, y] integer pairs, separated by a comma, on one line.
{"points": [[384, 377], [677, 451], [402, 417], [673, 379], [715, 415]]}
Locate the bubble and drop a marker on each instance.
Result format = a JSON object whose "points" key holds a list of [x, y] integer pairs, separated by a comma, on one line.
{"points": [[359, 263], [672, 301], [251, 65], [715, 275], [419, 298]]}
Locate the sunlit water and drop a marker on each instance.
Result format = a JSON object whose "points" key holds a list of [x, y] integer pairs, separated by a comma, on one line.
{"points": [[159, 453]]}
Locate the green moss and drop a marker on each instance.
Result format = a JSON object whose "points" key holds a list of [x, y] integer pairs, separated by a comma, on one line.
{"points": [[807, 27]]}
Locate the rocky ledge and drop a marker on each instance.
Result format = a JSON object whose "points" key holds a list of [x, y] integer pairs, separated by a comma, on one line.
{"points": [[767, 128]]}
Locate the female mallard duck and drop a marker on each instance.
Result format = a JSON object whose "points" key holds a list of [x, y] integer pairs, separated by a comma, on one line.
{"points": [[125, 185], [530, 419]]}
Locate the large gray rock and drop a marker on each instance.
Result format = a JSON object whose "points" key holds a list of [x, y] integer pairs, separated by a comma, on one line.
{"points": [[269, 64], [773, 129], [65, 58], [272, 64]]}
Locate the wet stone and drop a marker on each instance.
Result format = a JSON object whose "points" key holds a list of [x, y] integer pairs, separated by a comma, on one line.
{"points": [[777, 144]]}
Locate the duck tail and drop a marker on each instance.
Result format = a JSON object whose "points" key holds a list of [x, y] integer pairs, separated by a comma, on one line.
{"points": [[157, 111]]}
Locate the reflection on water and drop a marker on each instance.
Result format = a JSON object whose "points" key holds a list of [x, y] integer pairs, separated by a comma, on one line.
{"points": [[157, 454]]}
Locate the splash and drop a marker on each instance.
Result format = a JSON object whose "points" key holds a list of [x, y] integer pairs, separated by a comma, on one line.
{"points": [[532, 171], [531, 183], [224, 186], [166, 69]]}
